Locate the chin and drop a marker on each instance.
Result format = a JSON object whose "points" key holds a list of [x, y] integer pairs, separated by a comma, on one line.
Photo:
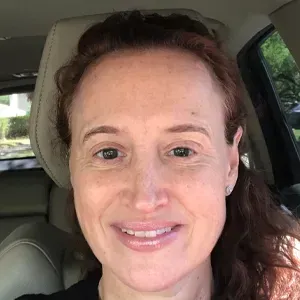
{"points": [[150, 285], [147, 283]]}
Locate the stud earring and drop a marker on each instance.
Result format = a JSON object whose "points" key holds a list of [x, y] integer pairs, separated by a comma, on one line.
{"points": [[228, 190]]}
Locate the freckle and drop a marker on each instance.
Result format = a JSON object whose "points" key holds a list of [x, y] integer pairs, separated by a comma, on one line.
{"points": [[193, 113]]}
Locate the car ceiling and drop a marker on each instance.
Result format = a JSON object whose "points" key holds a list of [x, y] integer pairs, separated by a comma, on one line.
{"points": [[28, 22], [34, 17]]}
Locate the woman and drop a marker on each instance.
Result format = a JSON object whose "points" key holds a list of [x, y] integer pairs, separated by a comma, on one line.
{"points": [[150, 109]]}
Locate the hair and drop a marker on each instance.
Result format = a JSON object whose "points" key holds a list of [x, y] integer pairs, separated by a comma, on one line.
{"points": [[254, 256]]}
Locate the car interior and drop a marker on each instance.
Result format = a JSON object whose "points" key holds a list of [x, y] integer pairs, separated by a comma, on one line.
{"points": [[36, 38]]}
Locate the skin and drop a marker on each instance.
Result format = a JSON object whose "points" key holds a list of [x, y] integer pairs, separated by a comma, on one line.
{"points": [[143, 94]]}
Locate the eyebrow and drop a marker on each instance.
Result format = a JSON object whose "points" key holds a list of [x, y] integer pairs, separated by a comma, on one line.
{"points": [[105, 129], [101, 129], [189, 128]]}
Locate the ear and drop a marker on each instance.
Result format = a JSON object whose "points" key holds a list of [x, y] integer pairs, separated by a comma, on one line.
{"points": [[234, 158]]}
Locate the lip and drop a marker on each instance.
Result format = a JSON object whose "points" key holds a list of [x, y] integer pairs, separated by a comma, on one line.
{"points": [[141, 244]]}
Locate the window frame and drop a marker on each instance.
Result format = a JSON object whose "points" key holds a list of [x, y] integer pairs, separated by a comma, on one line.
{"points": [[279, 138]]}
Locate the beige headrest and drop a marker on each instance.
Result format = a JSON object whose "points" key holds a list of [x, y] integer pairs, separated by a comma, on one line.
{"points": [[60, 45]]}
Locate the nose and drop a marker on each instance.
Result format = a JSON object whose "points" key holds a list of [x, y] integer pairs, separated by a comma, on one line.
{"points": [[148, 191]]}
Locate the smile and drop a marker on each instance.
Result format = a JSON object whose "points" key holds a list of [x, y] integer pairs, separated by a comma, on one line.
{"points": [[148, 240], [147, 234]]}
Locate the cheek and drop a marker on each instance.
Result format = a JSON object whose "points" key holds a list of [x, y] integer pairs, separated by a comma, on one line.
{"points": [[203, 198], [204, 195], [205, 201], [92, 192], [207, 207], [205, 185], [93, 198]]}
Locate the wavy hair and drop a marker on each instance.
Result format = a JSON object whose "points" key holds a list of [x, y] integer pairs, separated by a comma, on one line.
{"points": [[254, 256]]}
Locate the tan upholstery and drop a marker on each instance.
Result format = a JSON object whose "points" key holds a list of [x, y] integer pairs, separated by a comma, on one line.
{"points": [[9, 224], [60, 45], [35, 257], [30, 196], [38, 258], [30, 261], [24, 198], [24, 192], [59, 214]]}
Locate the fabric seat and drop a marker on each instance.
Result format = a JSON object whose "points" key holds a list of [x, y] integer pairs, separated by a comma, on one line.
{"points": [[24, 199], [30, 196], [59, 213], [37, 258]]}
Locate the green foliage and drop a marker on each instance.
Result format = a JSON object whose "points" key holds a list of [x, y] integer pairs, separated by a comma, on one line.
{"points": [[18, 127], [4, 99], [284, 70], [3, 128], [15, 127]]}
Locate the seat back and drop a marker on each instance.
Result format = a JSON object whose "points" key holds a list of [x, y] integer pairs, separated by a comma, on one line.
{"points": [[23, 199], [38, 259], [30, 261], [60, 208]]}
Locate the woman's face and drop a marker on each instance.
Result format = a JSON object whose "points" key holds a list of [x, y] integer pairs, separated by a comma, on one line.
{"points": [[149, 155]]}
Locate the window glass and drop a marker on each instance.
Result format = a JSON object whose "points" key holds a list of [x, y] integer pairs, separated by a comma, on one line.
{"points": [[14, 126], [286, 79]]}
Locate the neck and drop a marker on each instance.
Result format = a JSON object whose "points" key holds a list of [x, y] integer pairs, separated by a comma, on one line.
{"points": [[197, 285]]}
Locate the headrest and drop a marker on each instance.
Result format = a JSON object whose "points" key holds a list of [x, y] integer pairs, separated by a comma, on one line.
{"points": [[60, 45]]}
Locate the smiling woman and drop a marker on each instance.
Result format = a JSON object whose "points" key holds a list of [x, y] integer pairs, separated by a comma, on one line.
{"points": [[150, 109]]}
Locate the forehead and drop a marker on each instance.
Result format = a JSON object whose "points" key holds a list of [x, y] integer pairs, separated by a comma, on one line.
{"points": [[146, 84]]}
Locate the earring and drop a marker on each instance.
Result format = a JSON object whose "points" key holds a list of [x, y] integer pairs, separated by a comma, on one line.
{"points": [[228, 190]]}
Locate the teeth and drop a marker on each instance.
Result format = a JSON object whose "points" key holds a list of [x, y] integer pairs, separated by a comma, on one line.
{"points": [[152, 233], [161, 231], [140, 233], [147, 234]]}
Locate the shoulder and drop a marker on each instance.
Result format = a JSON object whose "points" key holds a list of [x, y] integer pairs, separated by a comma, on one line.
{"points": [[85, 289]]}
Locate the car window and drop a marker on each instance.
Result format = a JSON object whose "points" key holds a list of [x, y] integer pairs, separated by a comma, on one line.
{"points": [[270, 74], [14, 126], [285, 77]]}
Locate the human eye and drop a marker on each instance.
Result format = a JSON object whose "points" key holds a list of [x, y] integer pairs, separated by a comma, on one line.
{"points": [[182, 152], [109, 154]]}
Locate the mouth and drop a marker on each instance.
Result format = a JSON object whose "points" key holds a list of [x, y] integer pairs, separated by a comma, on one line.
{"points": [[147, 240], [148, 233]]}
